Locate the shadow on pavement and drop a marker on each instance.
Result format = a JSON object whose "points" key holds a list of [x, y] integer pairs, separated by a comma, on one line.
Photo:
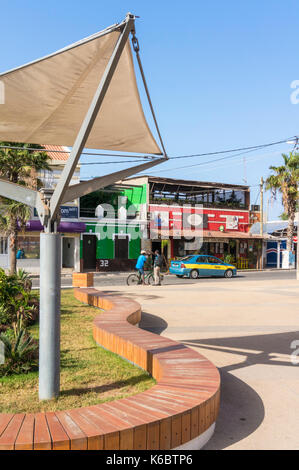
{"points": [[241, 412], [264, 347], [241, 409], [152, 323]]}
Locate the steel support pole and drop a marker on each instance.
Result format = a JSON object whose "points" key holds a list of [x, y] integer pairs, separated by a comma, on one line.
{"points": [[49, 325]]}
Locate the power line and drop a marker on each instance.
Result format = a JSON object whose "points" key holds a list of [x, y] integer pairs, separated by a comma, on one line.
{"points": [[207, 162], [218, 166], [255, 147]]}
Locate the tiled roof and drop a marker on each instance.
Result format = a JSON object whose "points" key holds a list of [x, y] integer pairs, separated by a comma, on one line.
{"points": [[57, 152]]}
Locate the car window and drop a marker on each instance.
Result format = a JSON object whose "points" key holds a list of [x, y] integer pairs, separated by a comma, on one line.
{"points": [[214, 260], [186, 258], [202, 259]]}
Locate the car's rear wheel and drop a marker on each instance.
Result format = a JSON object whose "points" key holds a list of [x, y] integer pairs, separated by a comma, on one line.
{"points": [[228, 273], [194, 274]]}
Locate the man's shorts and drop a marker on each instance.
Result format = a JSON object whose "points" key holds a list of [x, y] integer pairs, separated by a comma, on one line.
{"points": [[141, 271]]}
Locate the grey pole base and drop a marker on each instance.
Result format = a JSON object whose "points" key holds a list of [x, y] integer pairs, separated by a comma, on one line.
{"points": [[49, 321]]}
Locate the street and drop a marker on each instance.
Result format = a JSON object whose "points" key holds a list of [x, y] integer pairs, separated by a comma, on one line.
{"points": [[119, 279]]}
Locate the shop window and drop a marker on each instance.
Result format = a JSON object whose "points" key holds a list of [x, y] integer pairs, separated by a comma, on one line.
{"points": [[30, 246], [3, 246]]}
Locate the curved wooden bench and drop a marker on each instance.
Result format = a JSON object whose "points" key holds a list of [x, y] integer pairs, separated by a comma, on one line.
{"points": [[178, 412]]}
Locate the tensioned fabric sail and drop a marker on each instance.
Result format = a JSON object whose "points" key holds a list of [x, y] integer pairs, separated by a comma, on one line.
{"points": [[46, 100]]}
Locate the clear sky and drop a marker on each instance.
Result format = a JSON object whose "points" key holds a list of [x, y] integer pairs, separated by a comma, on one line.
{"points": [[219, 72]]}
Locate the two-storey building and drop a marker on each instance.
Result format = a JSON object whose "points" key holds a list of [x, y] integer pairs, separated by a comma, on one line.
{"points": [[178, 217]]}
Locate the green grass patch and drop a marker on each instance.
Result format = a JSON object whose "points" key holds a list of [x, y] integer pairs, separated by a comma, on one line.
{"points": [[89, 374]]}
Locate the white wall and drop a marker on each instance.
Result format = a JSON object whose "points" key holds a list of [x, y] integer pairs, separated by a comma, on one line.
{"points": [[4, 261]]}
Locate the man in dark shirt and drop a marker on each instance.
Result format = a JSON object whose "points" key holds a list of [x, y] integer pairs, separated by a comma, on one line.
{"points": [[158, 263]]}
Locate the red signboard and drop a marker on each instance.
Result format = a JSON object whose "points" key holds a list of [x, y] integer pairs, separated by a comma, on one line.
{"points": [[175, 218]]}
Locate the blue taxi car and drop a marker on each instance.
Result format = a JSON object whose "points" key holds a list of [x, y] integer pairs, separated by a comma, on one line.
{"points": [[194, 266]]}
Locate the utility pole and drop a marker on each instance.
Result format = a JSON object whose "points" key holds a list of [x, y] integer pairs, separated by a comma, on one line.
{"points": [[262, 220], [262, 206], [297, 263]]}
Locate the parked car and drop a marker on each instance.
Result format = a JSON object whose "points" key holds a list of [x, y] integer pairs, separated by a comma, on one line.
{"points": [[194, 266]]}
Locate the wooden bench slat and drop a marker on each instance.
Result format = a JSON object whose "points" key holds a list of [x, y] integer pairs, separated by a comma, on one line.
{"points": [[42, 437], [10, 434], [24, 440]]}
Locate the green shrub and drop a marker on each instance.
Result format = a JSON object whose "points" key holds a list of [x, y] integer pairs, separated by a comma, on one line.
{"points": [[229, 259], [20, 350], [5, 317], [16, 299]]}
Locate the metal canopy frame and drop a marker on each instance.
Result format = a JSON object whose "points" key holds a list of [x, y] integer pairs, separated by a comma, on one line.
{"points": [[47, 204]]}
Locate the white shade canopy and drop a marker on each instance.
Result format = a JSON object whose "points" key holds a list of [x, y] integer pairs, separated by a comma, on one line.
{"points": [[46, 100]]}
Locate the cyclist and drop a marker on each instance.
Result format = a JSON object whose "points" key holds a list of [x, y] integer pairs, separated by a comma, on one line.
{"points": [[140, 264]]}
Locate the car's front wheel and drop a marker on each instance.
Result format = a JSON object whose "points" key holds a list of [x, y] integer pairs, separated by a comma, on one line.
{"points": [[194, 274], [228, 273]]}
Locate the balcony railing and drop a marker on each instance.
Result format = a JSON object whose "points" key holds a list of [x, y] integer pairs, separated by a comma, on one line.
{"points": [[215, 204]]}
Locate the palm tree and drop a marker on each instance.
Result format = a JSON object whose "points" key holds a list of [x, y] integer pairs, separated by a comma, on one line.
{"points": [[21, 167], [13, 217], [285, 180]]}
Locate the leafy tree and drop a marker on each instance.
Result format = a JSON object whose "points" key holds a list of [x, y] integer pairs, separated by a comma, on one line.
{"points": [[285, 180], [283, 216], [21, 167], [13, 217]]}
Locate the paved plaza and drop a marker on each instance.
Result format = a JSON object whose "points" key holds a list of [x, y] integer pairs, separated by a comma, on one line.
{"points": [[245, 327]]}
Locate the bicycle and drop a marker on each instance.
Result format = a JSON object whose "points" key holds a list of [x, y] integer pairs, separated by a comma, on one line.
{"points": [[136, 279]]}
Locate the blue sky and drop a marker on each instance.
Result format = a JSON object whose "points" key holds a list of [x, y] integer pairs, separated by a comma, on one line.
{"points": [[219, 72]]}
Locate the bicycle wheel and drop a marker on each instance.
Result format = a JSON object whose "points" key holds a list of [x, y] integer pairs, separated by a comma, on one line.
{"points": [[150, 279], [133, 280]]}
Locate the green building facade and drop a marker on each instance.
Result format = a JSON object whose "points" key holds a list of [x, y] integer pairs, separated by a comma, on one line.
{"points": [[112, 242]]}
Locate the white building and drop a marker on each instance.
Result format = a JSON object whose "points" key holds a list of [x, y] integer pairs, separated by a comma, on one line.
{"points": [[70, 227]]}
